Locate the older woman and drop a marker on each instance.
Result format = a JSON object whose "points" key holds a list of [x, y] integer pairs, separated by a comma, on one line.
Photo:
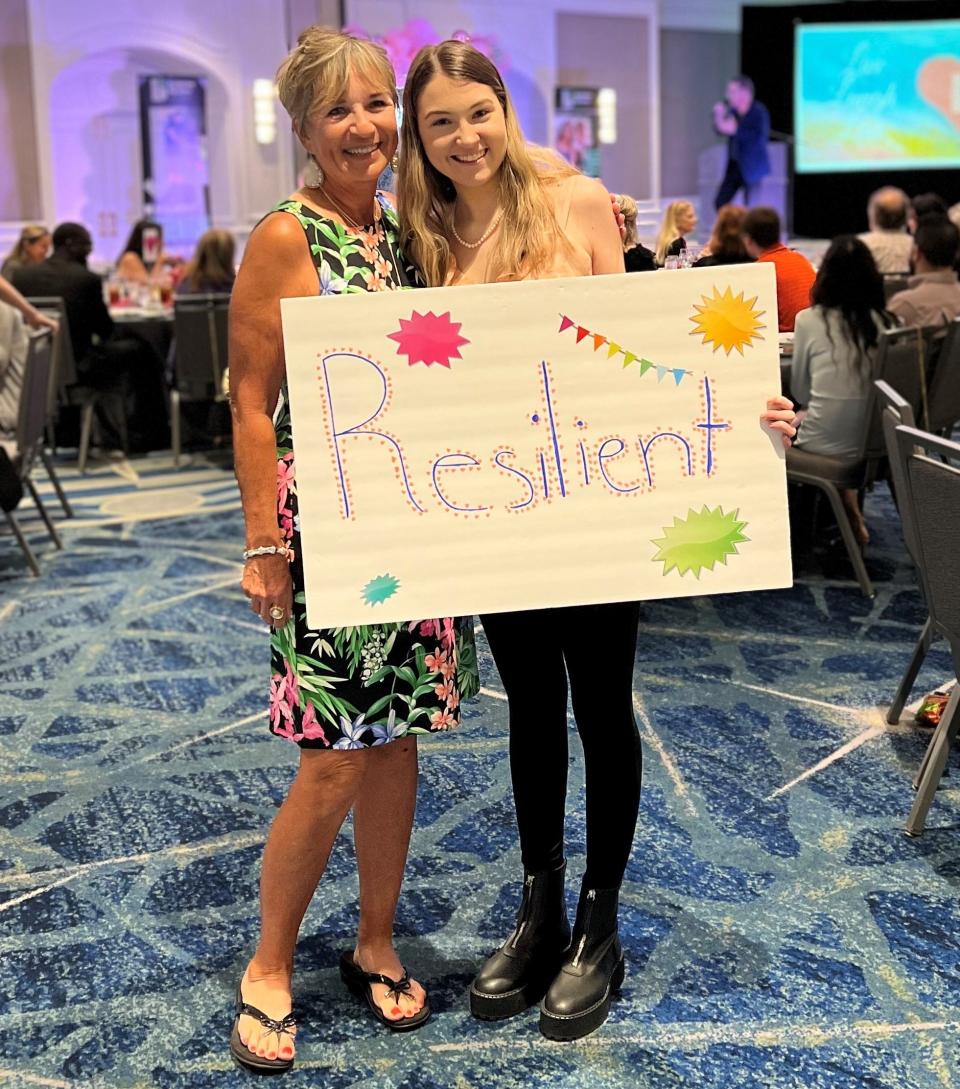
{"points": [[352, 699], [31, 248]]}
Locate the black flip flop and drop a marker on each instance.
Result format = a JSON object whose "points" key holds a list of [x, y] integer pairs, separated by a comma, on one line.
{"points": [[243, 1055], [358, 982]]}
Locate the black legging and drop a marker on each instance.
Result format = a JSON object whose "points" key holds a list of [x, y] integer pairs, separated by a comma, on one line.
{"points": [[536, 651]]}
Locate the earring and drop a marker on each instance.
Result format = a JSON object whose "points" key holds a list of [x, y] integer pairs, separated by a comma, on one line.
{"points": [[395, 163], [312, 175]]}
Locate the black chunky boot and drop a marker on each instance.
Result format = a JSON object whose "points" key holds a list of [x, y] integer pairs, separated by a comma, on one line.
{"points": [[578, 999], [518, 974]]}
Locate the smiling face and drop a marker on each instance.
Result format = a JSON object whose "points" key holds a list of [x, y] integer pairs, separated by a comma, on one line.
{"points": [[354, 139], [463, 130]]}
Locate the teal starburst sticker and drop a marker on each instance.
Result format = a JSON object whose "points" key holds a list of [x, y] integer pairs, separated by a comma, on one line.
{"points": [[379, 589], [704, 538]]}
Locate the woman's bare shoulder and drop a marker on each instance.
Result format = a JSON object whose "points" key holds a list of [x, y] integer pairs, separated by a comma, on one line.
{"points": [[587, 194]]}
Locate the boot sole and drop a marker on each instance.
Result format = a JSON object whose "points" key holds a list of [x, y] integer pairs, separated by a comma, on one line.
{"points": [[489, 1007], [574, 1026]]}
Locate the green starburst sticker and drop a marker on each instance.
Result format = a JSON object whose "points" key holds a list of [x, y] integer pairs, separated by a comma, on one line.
{"points": [[704, 538], [379, 589]]}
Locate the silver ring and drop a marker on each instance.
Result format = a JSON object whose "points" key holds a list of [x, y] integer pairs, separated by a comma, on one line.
{"points": [[276, 612]]}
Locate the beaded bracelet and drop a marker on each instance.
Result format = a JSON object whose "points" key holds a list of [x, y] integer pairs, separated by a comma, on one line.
{"points": [[268, 550]]}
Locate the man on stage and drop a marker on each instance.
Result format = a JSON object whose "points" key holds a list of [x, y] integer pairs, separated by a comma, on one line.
{"points": [[747, 123]]}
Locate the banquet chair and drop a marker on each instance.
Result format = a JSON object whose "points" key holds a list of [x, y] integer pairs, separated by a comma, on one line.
{"points": [[943, 379], [200, 355], [896, 412], [894, 282], [25, 447], [930, 466], [899, 363], [69, 390], [53, 307]]}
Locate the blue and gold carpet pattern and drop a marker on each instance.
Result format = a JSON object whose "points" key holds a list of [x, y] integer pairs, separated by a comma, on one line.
{"points": [[779, 928]]}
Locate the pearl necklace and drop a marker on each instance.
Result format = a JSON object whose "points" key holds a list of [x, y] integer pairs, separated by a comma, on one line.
{"points": [[486, 234]]}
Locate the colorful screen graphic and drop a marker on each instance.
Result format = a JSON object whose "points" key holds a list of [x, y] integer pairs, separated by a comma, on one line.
{"points": [[873, 96]]}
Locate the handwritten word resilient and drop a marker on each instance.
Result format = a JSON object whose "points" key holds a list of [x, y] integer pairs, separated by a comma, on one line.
{"points": [[560, 465]]}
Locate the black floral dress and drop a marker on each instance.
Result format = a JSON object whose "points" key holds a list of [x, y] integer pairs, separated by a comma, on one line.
{"points": [[349, 688]]}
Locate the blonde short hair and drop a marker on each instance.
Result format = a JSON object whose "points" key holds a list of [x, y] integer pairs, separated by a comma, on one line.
{"points": [[629, 208], [316, 72]]}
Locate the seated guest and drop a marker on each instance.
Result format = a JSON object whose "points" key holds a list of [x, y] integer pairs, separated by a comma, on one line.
{"points": [[924, 205], [679, 219], [13, 352], [636, 256], [795, 274], [134, 264], [932, 295], [833, 350], [887, 239], [726, 241], [106, 359], [211, 269], [32, 247]]}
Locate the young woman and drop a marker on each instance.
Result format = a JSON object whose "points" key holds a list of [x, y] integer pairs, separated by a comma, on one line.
{"points": [[636, 256], [679, 219], [833, 348], [476, 206]]}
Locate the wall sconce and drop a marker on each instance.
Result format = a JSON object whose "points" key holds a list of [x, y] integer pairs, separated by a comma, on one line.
{"points": [[264, 111], [607, 115]]}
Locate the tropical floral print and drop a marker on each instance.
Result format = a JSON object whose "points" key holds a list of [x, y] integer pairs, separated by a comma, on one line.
{"points": [[351, 688]]}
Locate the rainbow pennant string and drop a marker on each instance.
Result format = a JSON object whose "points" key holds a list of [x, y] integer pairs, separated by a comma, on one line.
{"points": [[598, 340]]}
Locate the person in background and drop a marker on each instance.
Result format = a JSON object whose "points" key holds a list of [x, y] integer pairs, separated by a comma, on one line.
{"points": [[31, 248], [679, 219], [887, 238], [834, 344], [932, 295], [142, 260], [13, 353], [726, 246], [746, 123], [105, 358], [636, 256], [210, 270], [795, 274], [924, 205]]}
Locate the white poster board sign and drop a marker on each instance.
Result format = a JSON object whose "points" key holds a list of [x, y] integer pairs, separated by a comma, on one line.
{"points": [[556, 442]]}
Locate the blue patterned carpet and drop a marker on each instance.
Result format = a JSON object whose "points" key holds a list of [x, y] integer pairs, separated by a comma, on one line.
{"points": [[780, 930]]}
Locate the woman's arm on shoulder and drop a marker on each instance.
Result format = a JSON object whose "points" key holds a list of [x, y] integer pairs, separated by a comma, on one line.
{"points": [[590, 217]]}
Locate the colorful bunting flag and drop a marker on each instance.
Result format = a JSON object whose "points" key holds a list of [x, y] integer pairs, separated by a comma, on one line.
{"points": [[679, 373]]}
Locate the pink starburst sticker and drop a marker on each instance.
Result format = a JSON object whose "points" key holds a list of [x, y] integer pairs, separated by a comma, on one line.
{"points": [[426, 338]]}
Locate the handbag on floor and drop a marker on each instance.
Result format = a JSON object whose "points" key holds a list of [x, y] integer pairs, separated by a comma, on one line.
{"points": [[11, 486]]}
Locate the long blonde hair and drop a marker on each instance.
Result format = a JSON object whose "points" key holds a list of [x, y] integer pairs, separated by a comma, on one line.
{"points": [[529, 235], [669, 231], [211, 266]]}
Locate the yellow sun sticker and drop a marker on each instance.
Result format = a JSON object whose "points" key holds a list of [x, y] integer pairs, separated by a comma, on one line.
{"points": [[727, 321]]}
